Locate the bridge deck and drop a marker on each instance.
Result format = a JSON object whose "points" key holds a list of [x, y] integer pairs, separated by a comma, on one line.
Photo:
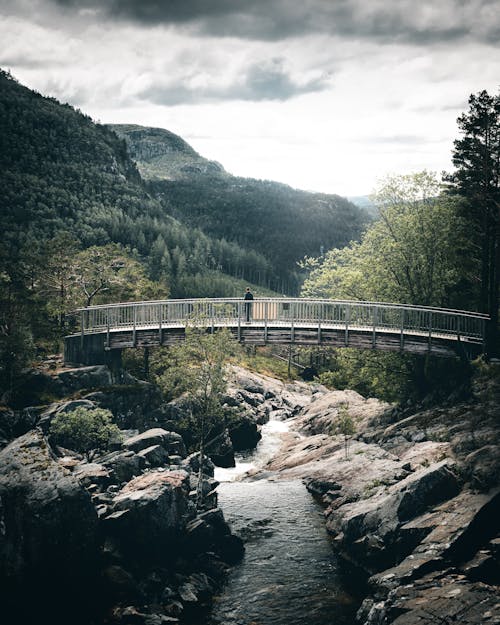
{"points": [[302, 321]]}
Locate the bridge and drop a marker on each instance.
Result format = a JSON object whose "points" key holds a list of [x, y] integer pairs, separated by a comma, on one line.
{"points": [[108, 329]]}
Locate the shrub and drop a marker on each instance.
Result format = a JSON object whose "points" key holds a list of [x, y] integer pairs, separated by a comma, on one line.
{"points": [[86, 431]]}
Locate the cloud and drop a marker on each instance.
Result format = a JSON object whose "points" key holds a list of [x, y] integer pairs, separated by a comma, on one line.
{"points": [[265, 81], [390, 21]]}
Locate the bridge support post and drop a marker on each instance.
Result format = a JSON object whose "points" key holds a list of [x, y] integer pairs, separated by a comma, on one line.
{"points": [[134, 329], [82, 326], [402, 337], [429, 346], [266, 314], [347, 319], [374, 336], [239, 321], [160, 329]]}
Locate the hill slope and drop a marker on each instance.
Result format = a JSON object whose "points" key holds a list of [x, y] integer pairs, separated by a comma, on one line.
{"points": [[61, 172], [275, 220]]}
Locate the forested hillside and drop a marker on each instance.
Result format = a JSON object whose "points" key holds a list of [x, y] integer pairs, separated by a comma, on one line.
{"points": [[281, 223], [80, 227]]}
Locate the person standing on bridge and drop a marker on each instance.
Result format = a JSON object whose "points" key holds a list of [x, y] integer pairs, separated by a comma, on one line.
{"points": [[248, 303]]}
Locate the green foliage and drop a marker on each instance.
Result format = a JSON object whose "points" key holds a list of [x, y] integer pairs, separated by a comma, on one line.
{"points": [[476, 178], [196, 369], [395, 377], [412, 254], [345, 426], [372, 374], [83, 430]]}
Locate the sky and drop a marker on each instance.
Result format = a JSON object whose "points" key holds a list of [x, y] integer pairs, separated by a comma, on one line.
{"points": [[324, 95]]}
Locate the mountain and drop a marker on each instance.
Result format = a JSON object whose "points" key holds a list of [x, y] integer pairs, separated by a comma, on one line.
{"points": [[61, 172], [364, 202], [275, 220], [161, 154]]}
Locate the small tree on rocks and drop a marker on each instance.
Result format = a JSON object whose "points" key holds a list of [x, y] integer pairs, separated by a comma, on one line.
{"points": [[86, 431], [345, 425]]}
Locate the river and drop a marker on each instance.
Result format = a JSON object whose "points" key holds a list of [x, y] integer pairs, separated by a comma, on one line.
{"points": [[289, 575]]}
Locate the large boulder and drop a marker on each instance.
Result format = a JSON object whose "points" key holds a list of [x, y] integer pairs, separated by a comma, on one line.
{"points": [[132, 404], [49, 535], [170, 441], [370, 530], [149, 514]]}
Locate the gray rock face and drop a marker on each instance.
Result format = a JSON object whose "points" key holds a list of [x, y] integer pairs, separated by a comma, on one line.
{"points": [[48, 538], [124, 464], [71, 380], [370, 530], [170, 441], [149, 513], [132, 403]]}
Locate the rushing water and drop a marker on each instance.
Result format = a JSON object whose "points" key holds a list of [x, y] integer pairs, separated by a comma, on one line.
{"points": [[289, 575]]}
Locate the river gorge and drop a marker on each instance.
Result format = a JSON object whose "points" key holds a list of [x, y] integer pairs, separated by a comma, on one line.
{"points": [[289, 574], [412, 507]]}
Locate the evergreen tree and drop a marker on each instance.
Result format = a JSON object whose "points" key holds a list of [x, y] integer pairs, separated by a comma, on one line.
{"points": [[476, 157]]}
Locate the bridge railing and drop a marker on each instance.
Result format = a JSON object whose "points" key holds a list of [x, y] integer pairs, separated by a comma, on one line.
{"points": [[282, 311]]}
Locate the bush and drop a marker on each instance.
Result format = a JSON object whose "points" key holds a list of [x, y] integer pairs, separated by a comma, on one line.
{"points": [[83, 430]]}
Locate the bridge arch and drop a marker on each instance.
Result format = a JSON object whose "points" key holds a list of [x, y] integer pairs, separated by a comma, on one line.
{"points": [[107, 329]]}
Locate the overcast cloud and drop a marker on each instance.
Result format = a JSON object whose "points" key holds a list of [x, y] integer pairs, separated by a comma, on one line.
{"points": [[328, 95]]}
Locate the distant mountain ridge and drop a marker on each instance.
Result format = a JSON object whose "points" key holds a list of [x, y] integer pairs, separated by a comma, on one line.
{"points": [[161, 154], [273, 219]]}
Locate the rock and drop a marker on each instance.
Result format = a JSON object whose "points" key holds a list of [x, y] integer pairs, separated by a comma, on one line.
{"points": [[222, 452], [149, 514], [92, 473], [193, 462], [49, 534], [30, 386], [483, 466], [132, 404], [187, 592], [170, 441], [370, 528], [154, 456], [451, 532], [244, 433], [437, 599], [124, 464], [15, 423], [482, 568], [120, 584], [78, 378]]}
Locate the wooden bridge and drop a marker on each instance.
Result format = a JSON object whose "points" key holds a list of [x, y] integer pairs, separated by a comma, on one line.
{"points": [[108, 329]]}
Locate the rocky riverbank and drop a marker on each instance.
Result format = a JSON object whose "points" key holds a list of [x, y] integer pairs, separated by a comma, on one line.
{"points": [[122, 539], [415, 504], [119, 539]]}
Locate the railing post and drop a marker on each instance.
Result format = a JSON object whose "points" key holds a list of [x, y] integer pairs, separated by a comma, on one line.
{"points": [[402, 337], [430, 331], [374, 336], [239, 321], [82, 327], [292, 316], [134, 329], [347, 319], [266, 312], [107, 328], [160, 329]]}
